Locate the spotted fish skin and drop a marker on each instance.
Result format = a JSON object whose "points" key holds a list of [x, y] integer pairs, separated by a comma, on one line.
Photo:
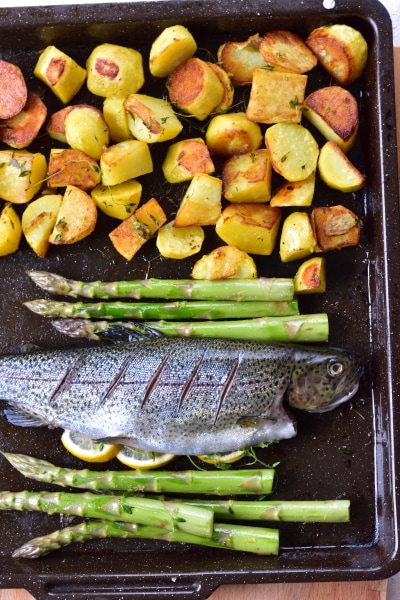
{"points": [[177, 395]]}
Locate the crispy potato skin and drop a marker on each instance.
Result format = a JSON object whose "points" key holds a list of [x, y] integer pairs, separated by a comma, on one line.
{"points": [[286, 50], [225, 262], [247, 177], [310, 277], [19, 131], [14, 92], [72, 167], [186, 158], [335, 227], [334, 111]]}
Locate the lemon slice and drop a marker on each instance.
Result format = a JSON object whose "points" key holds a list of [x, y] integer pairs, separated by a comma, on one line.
{"points": [[87, 449], [143, 459], [222, 457]]}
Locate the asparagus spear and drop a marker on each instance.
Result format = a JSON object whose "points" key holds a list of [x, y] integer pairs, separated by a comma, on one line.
{"points": [[299, 328], [258, 540], [181, 309], [146, 511], [264, 289], [218, 483]]}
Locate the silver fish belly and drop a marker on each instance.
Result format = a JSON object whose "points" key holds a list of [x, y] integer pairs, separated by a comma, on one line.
{"points": [[177, 395]]}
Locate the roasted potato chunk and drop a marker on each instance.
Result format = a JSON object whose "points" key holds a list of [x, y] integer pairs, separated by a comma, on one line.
{"points": [[310, 277], [247, 177], [38, 220], [287, 51], [201, 204], [174, 46], [334, 112], [125, 160], [341, 50], [72, 167], [21, 130], [60, 73], [225, 262], [276, 97], [21, 175], [10, 230], [232, 133], [137, 229], [294, 193], [118, 201], [227, 98], [195, 88], [76, 218], [292, 149], [251, 227], [14, 92], [114, 71], [179, 242], [335, 227], [116, 118], [337, 171], [87, 130], [151, 119], [297, 237], [239, 59], [186, 158], [56, 124]]}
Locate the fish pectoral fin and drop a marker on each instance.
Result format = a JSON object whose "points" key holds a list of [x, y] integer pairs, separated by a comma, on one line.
{"points": [[123, 441], [253, 422], [21, 418]]}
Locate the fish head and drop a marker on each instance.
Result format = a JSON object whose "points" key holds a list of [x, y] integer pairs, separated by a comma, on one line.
{"points": [[323, 379]]}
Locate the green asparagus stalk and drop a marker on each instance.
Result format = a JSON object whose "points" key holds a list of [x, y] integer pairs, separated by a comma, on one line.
{"points": [[147, 511], [263, 289], [181, 309], [299, 328], [218, 483], [294, 511], [231, 537]]}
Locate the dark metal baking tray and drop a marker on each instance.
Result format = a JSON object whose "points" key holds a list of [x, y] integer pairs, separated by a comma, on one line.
{"points": [[351, 452]]}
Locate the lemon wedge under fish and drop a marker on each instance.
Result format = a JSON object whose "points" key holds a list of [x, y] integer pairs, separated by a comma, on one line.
{"points": [[87, 449], [222, 457], [143, 459]]}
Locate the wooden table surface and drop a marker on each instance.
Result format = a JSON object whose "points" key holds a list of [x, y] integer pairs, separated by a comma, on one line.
{"points": [[369, 590]]}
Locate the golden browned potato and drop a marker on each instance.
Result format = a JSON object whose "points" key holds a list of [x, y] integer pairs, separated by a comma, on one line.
{"points": [[172, 47], [334, 112], [56, 124], [337, 171], [87, 130], [247, 177], [179, 242], [251, 227], [286, 50], [20, 131], [294, 193], [310, 277], [60, 73], [38, 220], [126, 160], [341, 50], [293, 150], [72, 167], [76, 218], [186, 158], [22, 174], [116, 118], [14, 92], [151, 119], [227, 85], [225, 262], [232, 133], [335, 227], [201, 203], [114, 71], [297, 237], [195, 88], [118, 201], [276, 97], [137, 229], [10, 230], [239, 59]]}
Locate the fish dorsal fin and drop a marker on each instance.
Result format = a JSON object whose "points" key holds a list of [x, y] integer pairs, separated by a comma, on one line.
{"points": [[129, 332], [22, 418]]}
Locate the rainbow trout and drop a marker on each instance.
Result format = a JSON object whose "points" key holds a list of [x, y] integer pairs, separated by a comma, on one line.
{"points": [[177, 395]]}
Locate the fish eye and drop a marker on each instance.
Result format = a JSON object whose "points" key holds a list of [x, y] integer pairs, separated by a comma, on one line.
{"points": [[335, 368]]}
